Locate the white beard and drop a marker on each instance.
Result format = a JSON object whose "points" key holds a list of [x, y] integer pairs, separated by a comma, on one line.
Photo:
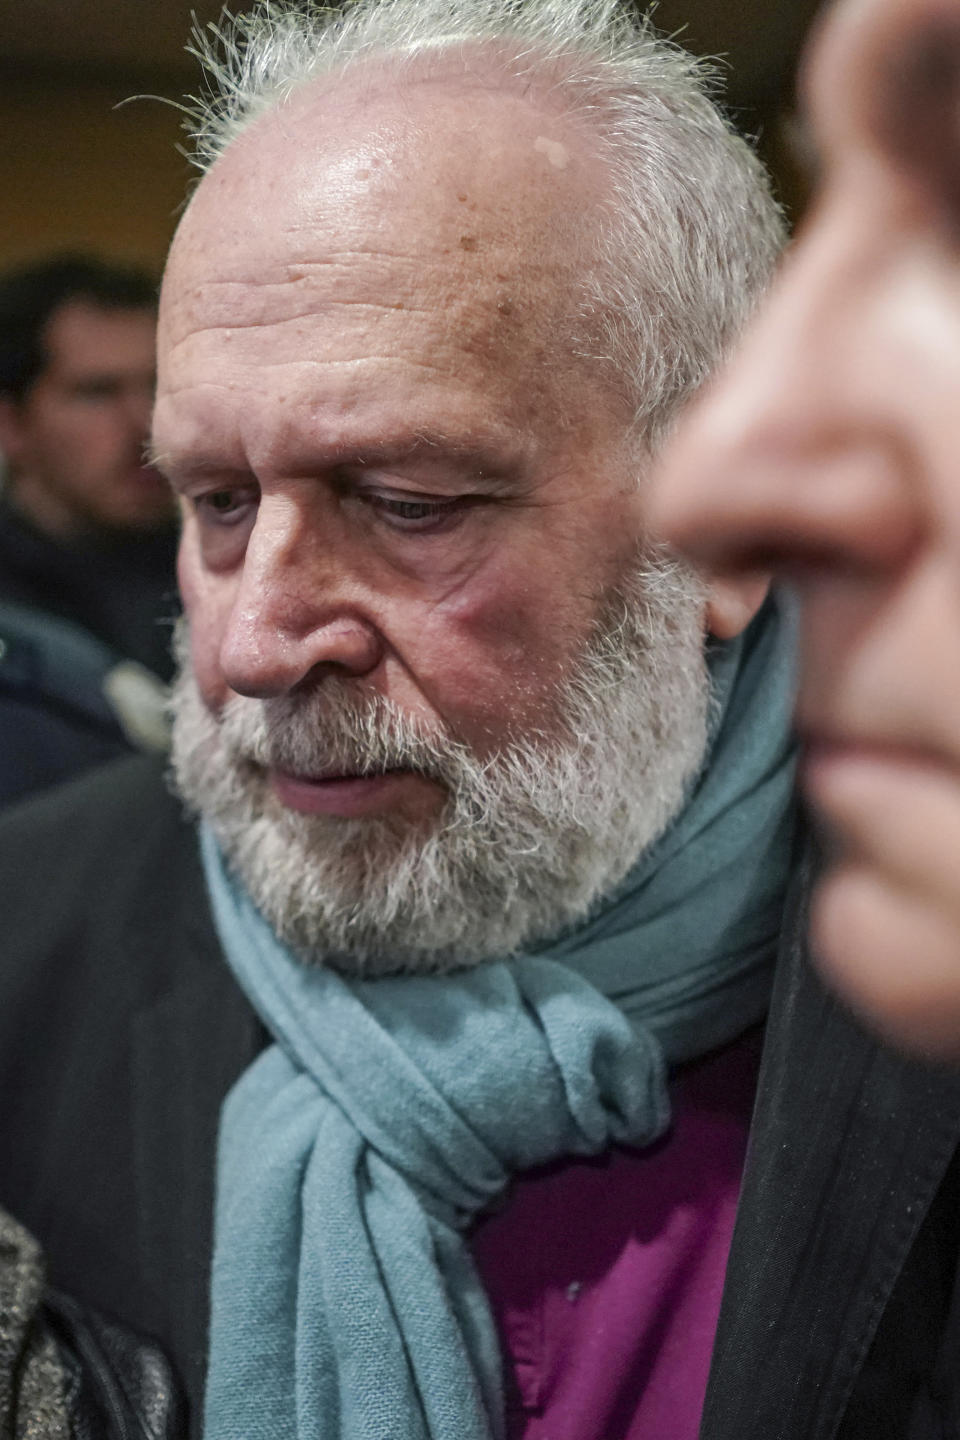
{"points": [[530, 838]]}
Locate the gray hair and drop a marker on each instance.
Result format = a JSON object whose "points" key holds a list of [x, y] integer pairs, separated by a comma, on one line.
{"points": [[692, 233]]}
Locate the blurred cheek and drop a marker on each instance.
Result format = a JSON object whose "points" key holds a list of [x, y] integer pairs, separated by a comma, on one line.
{"points": [[88, 428], [836, 614], [880, 655]]}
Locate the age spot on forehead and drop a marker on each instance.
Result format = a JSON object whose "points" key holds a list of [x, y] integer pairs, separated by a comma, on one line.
{"points": [[557, 154]]}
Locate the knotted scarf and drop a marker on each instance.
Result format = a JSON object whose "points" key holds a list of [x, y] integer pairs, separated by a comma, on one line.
{"points": [[355, 1151]]}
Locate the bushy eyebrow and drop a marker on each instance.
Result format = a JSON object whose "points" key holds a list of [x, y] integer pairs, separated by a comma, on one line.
{"points": [[181, 470], [482, 459], [485, 460]]}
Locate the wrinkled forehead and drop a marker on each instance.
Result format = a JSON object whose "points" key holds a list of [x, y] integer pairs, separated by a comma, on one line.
{"points": [[466, 177]]}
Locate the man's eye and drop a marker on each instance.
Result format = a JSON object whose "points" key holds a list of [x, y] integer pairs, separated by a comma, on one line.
{"points": [[418, 515], [223, 506]]}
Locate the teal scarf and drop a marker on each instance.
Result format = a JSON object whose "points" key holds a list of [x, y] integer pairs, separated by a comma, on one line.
{"points": [[355, 1152]]}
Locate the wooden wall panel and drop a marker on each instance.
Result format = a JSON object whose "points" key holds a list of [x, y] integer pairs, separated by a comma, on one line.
{"points": [[75, 172]]}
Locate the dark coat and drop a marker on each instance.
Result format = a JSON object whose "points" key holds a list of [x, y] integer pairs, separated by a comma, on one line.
{"points": [[119, 588], [68, 615], [121, 1030]]}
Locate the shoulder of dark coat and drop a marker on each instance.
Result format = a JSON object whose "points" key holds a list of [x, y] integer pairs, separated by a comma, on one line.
{"points": [[103, 875]]}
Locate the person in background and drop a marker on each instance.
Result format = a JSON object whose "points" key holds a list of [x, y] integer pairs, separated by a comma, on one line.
{"points": [[87, 535], [828, 452]]}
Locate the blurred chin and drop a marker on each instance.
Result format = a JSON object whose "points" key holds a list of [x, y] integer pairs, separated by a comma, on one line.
{"points": [[893, 955]]}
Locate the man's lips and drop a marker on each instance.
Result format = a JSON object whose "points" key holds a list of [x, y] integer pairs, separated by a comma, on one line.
{"points": [[348, 796]]}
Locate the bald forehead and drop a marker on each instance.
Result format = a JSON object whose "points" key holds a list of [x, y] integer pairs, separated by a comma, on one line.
{"points": [[358, 238], [437, 163]]}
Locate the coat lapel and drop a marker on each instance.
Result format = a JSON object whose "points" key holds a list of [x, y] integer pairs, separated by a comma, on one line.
{"points": [[189, 1046], [848, 1146]]}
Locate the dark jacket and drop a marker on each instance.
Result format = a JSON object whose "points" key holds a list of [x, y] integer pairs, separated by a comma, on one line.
{"points": [[121, 1030], [72, 618], [67, 702], [119, 588]]}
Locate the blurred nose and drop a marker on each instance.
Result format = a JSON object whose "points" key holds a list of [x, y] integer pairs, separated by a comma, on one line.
{"points": [[138, 409], [791, 460], [299, 612]]}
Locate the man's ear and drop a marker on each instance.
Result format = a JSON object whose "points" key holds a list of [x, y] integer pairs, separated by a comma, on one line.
{"points": [[732, 602]]}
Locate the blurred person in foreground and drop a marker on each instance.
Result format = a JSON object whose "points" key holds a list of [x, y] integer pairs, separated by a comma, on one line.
{"points": [[87, 535], [828, 451], [495, 891]]}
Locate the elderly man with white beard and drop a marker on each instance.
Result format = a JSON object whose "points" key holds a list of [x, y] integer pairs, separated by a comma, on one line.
{"points": [[430, 1044]]}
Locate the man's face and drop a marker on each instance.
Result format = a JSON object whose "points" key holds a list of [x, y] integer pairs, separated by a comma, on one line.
{"points": [[75, 441], [829, 451], [399, 487]]}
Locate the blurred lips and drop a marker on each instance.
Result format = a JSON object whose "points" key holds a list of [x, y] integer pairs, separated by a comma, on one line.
{"points": [[832, 761]]}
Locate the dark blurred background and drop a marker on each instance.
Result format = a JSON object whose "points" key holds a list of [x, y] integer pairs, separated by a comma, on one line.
{"points": [[77, 172]]}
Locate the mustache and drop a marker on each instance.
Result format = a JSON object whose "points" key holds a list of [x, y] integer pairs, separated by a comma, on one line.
{"points": [[336, 730]]}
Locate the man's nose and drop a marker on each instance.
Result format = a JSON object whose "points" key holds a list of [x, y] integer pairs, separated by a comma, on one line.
{"points": [[298, 614]]}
